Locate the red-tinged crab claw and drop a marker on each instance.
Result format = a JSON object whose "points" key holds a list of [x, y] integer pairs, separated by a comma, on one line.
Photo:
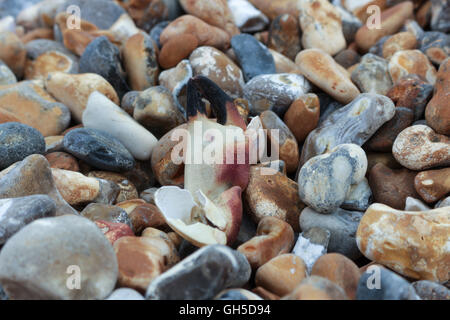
{"points": [[209, 209]]}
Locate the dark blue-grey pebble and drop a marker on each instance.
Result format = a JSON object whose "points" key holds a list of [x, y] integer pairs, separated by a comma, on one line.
{"points": [[156, 31], [13, 7], [18, 212], [99, 149], [103, 58], [17, 141], [253, 56], [390, 286], [3, 295]]}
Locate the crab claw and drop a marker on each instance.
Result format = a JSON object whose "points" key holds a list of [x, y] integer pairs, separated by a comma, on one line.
{"points": [[201, 221], [217, 169], [221, 103]]}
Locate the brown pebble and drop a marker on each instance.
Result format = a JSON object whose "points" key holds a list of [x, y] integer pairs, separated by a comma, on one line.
{"points": [[433, 185], [391, 187], [303, 116], [281, 274], [176, 49], [62, 160], [340, 270]]}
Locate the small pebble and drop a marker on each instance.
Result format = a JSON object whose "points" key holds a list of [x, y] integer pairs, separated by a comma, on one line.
{"points": [[17, 141], [342, 225]]}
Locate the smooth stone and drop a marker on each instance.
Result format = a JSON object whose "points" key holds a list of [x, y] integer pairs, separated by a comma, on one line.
{"points": [[321, 69], [206, 34], [13, 53], [142, 259], [253, 56], [391, 286], [176, 49], [408, 62], [74, 90], [13, 7], [51, 246], [98, 149], [16, 213], [281, 274], [247, 18], [359, 197], [340, 270], [274, 92], [127, 189], [106, 212], [272, 195], [30, 104], [102, 114], [46, 63], [437, 112], [419, 147], [33, 176], [148, 195], [436, 46], [53, 143], [391, 20], [321, 25], [17, 141], [440, 15], [428, 290], [202, 275], [62, 160], [215, 13], [413, 93], [343, 166], [125, 294], [37, 47], [6, 75], [215, 65], [102, 13], [311, 245], [399, 42], [347, 58], [273, 237], [155, 109], [433, 185], [176, 80], [140, 61], [372, 75], [342, 225], [302, 116], [156, 31], [284, 36], [77, 189], [413, 204], [317, 288], [287, 143], [388, 236], [283, 64], [355, 123], [148, 14], [392, 186], [327, 106], [384, 138], [3, 295], [273, 9], [103, 58]]}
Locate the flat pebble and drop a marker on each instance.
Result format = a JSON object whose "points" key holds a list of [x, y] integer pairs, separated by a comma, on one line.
{"points": [[204, 274], [99, 149]]}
